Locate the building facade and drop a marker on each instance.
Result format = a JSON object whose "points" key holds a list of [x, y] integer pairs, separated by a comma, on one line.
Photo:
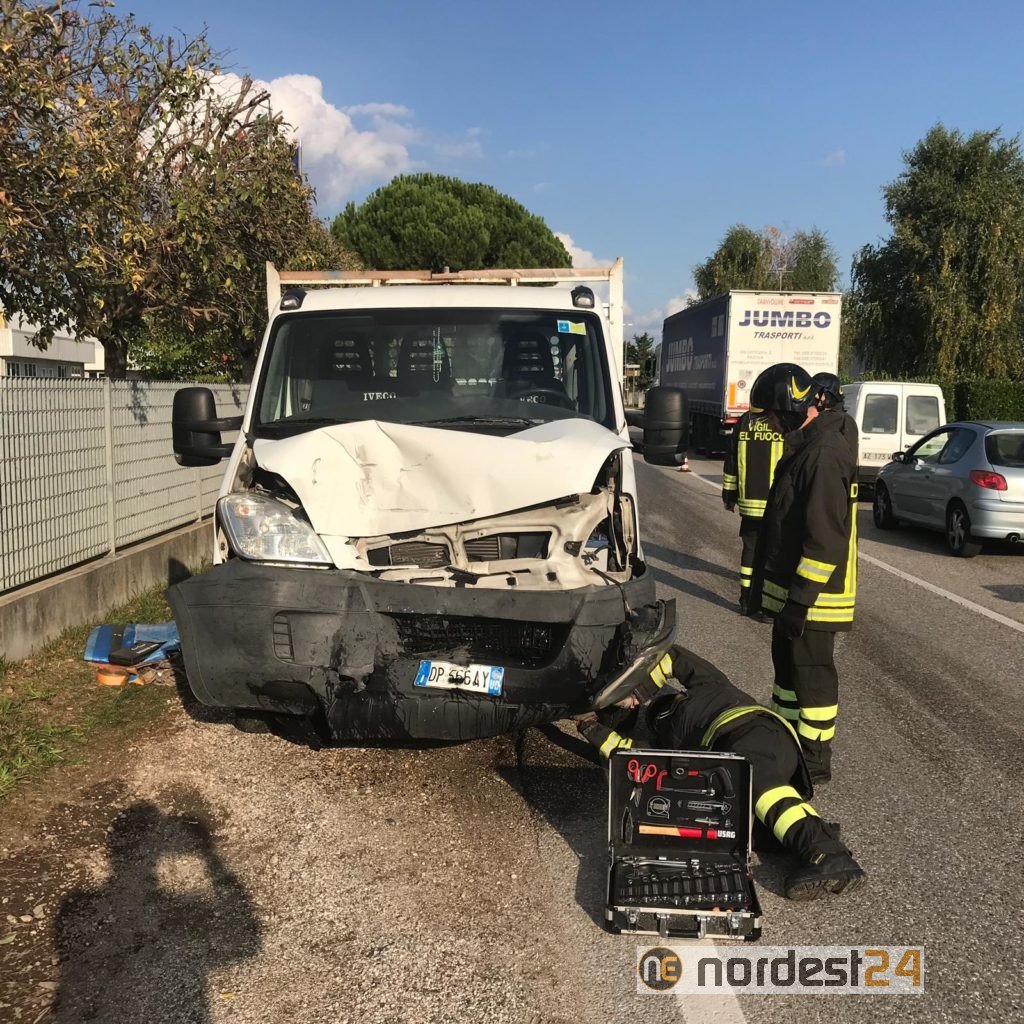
{"points": [[65, 356]]}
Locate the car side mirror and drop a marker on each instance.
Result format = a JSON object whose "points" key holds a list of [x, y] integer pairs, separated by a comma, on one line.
{"points": [[899, 457], [195, 428], [666, 426]]}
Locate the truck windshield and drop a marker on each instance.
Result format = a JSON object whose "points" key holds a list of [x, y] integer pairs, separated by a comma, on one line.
{"points": [[470, 369]]}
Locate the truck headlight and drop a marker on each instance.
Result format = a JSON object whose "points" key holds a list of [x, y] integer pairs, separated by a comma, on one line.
{"points": [[264, 530]]}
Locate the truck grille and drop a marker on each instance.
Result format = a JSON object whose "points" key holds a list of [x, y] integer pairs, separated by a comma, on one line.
{"points": [[411, 552], [527, 644], [507, 545]]}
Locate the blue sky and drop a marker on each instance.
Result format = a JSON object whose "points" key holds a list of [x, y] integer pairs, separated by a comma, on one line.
{"points": [[641, 130]]}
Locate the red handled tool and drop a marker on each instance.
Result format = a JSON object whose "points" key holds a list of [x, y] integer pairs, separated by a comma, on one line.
{"points": [[683, 832]]}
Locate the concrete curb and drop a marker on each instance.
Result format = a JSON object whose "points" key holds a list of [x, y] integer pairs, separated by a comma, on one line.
{"points": [[34, 615]]}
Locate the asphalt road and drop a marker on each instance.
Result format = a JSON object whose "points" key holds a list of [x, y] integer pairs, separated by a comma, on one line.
{"points": [[216, 875]]}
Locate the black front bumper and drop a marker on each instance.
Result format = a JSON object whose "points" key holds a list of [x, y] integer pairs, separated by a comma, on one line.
{"points": [[301, 640]]}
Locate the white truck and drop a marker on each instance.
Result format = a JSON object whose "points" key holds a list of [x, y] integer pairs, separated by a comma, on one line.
{"points": [[428, 525], [713, 351]]}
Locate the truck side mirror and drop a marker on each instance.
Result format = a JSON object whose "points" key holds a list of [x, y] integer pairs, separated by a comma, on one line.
{"points": [[195, 429], [666, 426]]}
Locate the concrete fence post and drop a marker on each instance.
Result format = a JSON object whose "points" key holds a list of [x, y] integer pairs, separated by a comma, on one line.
{"points": [[108, 437]]}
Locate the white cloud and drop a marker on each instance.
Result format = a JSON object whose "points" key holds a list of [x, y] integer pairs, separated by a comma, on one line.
{"points": [[580, 257], [834, 159], [345, 149], [651, 320], [385, 110], [469, 147], [339, 155]]}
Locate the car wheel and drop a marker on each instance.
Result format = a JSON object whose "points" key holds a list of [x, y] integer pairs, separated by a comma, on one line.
{"points": [[958, 532], [881, 509]]}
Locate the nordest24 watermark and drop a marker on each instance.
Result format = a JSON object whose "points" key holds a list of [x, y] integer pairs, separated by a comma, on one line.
{"points": [[780, 970]]}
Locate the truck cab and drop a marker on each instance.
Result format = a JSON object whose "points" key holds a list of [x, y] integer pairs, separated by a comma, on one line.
{"points": [[428, 525]]}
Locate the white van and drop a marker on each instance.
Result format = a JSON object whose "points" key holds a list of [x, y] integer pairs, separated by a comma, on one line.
{"points": [[891, 416], [427, 528]]}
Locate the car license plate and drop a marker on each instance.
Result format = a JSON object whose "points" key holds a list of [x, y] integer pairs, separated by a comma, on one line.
{"points": [[475, 678]]}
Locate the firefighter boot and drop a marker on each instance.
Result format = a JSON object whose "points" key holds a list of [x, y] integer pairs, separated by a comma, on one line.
{"points": [[818, 757], [826, 867]]}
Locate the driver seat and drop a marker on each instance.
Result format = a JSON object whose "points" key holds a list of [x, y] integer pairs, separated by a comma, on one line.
{"points": [[527, 363]]}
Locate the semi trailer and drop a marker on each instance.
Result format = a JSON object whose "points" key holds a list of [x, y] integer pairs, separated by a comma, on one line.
{"points": [[713, 351]]}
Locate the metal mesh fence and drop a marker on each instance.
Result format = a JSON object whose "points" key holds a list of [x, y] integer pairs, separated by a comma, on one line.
{"points": [[86, 467]]}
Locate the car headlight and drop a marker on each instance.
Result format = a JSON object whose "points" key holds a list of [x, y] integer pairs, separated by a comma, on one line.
{"points": [[264, 530]]}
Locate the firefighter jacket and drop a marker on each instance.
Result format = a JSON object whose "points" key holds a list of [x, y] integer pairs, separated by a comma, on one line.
{"points": [[749, 470], [709, 708], [807, 549]]}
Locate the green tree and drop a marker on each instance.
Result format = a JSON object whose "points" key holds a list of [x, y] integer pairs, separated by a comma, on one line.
{"points": [[429, 222], [138, 185], [768, 260], [943, 295], [638, 350], [213, 350]]}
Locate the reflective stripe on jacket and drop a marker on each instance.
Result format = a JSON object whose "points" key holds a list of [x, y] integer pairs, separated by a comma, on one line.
{"points": [[750, 463]]}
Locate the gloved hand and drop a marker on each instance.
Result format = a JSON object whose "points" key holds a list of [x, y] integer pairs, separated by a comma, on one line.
{"points": [[792, 620], [729, 499]]}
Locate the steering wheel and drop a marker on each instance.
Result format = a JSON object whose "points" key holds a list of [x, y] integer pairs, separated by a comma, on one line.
{"points": [[561, 398]]}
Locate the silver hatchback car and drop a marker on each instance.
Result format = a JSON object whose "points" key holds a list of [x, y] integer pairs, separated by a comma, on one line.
{"points": [[966, 479]]}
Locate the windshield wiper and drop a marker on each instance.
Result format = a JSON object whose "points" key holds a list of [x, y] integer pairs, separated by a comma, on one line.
{"points": [[521, 421], [302, 423]]}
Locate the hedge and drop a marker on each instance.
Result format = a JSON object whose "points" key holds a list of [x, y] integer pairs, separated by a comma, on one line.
{"points": [[981, 399], [976, 399]]}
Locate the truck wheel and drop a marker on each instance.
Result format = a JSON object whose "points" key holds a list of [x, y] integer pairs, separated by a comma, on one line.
{"points": [[881, 509], [958, 532]]}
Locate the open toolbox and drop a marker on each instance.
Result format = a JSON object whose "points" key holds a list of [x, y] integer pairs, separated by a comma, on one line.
{"points": [[679, 845]]}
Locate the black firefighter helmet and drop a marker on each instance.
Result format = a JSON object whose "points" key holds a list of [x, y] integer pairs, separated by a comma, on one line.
{"points": [[784, 387], [831, 385]]}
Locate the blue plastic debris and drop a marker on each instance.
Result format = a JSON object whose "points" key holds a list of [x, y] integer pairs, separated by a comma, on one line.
{"points": [[104, 639]]}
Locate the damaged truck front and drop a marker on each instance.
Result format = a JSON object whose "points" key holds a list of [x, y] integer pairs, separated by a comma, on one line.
{"points": [[428, 526]]}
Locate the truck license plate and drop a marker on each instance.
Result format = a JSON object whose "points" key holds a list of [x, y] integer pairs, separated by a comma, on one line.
{"points": [[476, 678]]}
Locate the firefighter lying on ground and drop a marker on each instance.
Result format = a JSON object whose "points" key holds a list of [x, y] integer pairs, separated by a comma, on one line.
{"points": [[689, 704]]}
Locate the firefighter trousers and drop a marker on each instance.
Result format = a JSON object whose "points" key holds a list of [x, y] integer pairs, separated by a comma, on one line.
{"points": [[774, 761], [806, 690], [750, 527]]}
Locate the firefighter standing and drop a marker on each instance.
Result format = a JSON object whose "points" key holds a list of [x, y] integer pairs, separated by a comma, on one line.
{"points": [[699, 708], [805, 571], [748, 474]]}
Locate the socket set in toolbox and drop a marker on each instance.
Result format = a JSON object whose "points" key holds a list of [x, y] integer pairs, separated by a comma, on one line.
{"points": [[679, 827], [693, 884]]}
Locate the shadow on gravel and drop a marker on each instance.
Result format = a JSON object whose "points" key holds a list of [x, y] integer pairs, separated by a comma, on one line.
{"points": [[1007, 591], [573, 800], [142, 945]]}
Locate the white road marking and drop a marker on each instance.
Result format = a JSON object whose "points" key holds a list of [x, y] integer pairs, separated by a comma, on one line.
{"points": [[964, 602], [1003, 620], [718, 1009], [703, 479]]}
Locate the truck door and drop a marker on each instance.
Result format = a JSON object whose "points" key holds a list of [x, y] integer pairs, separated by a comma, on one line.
{"points": [[878, 417]]}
